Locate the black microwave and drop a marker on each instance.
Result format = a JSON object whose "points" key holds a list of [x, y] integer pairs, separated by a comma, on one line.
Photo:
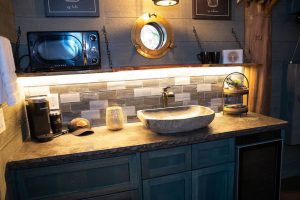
{"points": [[63, 50]]}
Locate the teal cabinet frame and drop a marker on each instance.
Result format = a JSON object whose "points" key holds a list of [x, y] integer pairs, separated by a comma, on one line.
{"points": [[80, 179], [212, 153], [171, 187], [166, 161], [213, 183], [129, 195]]}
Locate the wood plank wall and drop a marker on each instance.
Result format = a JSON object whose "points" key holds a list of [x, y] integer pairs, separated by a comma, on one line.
{"points": [[119, 16], [7, 20], [258, 47], [11, 139]]}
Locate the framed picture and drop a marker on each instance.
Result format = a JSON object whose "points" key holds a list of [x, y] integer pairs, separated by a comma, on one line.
{"points": [[72, 8], [212, 9]]}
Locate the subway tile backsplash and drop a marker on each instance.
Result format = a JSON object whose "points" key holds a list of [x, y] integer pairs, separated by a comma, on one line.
{"points": [[90, 100]]}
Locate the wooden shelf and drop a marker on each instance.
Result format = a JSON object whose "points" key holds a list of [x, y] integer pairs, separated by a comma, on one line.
{"points": [[133, 68], [239, 110]]}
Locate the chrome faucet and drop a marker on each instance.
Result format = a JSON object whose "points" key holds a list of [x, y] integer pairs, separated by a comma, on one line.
{"points": [[165, 96]]}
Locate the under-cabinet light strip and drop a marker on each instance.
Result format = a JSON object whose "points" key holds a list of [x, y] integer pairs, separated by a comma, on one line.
{"points": [[126, 75]]}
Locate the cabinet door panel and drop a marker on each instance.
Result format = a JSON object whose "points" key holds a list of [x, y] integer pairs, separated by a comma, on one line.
{"points": [[213, 183], [212, 153], [166, 161], [78, 180], [129, 195], [171, 187]]}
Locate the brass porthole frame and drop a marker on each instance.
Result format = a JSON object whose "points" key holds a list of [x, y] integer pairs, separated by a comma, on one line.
{"points": [[136, 35]]}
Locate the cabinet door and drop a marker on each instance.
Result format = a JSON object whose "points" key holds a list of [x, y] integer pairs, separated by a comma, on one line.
{"points": [[79, 179], [129, 195], [212, 153], [213, 183], [172, 187], [166, 161]]}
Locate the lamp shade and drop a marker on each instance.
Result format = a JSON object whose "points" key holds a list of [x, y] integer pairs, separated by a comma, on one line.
{"points": [[165, 2]]}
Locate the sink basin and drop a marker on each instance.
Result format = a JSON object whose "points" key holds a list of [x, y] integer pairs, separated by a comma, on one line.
{"points": [[176, 119]]}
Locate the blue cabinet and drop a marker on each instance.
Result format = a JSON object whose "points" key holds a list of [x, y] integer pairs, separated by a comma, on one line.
{"points": [[202, 171], [213, 183], [166, 161], [209, 175], [129, 195], [78, 180], [212, 153], [171, 187]]}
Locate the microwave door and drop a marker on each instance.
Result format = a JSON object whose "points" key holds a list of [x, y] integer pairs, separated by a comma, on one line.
{"points": [[63, 50]]}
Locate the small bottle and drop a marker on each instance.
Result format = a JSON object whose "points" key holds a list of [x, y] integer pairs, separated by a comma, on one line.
{"points": [[56, 121], [114, 118]]}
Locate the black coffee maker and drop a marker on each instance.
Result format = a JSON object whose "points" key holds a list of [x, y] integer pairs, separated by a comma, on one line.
{"points": [[38, 117]]}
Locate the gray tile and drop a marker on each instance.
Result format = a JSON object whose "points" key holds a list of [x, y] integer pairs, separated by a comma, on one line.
{"points": [[87, 96], [132, 119], [173, 104], [217, 87], [210, 79], [109, 94], [78, 88], [59, 89], [210, 95], [117, 102], [189, 88], [151, 83], [68, 116], [133, 84], [97, 86], [152, 100], [166, 82], [197, 79], [65, 107], [122, 94], [176, 89], [134, 101], [221, 79], [79, 106], [201, 95], [97, 122], [203, 102]]}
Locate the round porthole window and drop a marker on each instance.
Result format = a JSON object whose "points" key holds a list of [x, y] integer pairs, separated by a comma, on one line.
{"points": [[152, 36]]}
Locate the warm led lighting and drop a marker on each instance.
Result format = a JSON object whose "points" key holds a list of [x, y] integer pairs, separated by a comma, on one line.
{"points": [[165, 2], [127, 75]]}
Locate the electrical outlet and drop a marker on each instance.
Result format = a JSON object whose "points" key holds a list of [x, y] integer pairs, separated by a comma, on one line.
{"points": [[53, 101], [2, 122]]}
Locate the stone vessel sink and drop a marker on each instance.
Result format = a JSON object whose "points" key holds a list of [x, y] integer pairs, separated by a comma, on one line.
{"points": [[176, 119]]}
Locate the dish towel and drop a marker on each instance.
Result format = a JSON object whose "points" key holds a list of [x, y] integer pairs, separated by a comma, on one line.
{"points": [[9, 89]]}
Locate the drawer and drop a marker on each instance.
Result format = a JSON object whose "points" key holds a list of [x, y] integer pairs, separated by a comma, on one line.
{"points": [[212, 153], [129, 195], [166, 161], [79, 180]]}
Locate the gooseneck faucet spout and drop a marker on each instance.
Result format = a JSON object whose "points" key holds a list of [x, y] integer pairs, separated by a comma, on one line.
{"points": [[165, 96]]}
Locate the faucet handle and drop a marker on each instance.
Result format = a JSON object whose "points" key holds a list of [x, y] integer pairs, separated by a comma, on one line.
{"points": [[165, 89]]}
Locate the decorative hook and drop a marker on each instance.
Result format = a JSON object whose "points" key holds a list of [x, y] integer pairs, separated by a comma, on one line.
{"points": [[152, 15]]}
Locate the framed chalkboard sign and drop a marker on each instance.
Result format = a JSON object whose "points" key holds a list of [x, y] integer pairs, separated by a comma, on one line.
{"points": [[211, 9], [72, 8]]}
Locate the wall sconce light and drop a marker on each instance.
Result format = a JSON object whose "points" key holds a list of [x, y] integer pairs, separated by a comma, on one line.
{"points": [[165, 2]]}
